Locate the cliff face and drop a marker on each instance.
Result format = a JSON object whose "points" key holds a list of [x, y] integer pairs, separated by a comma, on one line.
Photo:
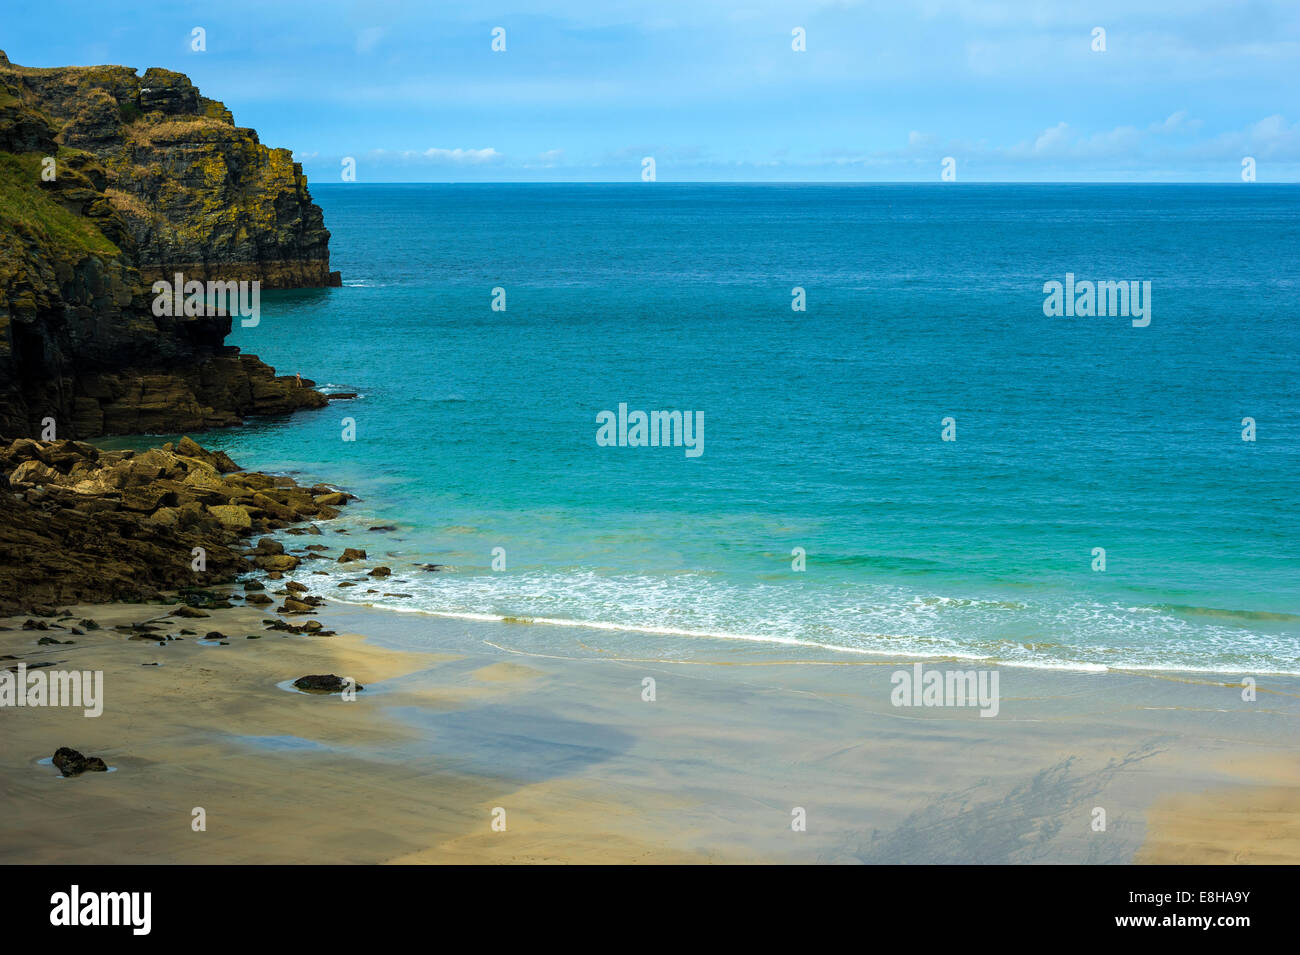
{"points": [[149, 179], [199, 195]]}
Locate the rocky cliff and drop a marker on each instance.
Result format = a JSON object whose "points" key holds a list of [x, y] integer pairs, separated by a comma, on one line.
{"points": [[199, 195], [107, 181]]}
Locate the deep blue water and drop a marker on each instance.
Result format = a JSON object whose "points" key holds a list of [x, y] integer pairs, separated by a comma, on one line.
{"points": [[477, 428]]}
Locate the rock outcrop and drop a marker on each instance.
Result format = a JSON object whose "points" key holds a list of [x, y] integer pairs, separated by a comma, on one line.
{"points": [[199, 194], [81, 525], [109, 180]]}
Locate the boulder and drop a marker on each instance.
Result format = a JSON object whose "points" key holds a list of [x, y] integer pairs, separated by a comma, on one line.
{"points": [[325, 683], [232, 516], [72, 763], [276, 562], [34, 473]]}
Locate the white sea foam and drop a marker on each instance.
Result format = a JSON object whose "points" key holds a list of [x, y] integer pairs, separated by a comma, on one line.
{"points": [[1088, 637]]}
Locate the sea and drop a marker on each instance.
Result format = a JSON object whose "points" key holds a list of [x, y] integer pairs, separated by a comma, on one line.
{"points": [[899, 447]]}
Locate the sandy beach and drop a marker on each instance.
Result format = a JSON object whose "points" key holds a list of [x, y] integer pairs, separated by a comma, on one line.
{"points": [[459, 720]]}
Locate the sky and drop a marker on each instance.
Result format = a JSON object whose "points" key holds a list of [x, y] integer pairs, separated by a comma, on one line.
{"points": [[714, 90]]}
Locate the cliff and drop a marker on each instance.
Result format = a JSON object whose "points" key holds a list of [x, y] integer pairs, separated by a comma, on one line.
{"points": [[109, 180], [199, 195]]}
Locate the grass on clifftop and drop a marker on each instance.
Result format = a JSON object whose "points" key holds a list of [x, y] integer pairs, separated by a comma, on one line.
{"points": [[23, 200]]}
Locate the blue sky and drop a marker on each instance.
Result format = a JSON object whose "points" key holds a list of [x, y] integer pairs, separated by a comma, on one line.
{"points": [[713, 90]]}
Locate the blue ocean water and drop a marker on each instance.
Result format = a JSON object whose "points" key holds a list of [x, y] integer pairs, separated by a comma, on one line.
{"points": [[476, 429]]}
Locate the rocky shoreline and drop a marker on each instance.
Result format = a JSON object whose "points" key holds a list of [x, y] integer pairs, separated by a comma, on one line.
{"points": [[83, 525]]}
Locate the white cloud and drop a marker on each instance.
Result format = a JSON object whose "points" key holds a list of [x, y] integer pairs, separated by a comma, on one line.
{"points": [[437, 155], [473, 156]]}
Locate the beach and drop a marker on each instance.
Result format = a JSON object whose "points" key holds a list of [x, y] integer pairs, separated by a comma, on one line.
{"points": [[459, 720], [651, 434]]}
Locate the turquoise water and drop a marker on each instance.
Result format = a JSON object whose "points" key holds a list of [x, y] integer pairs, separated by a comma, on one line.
{"points": [[476, 428]]}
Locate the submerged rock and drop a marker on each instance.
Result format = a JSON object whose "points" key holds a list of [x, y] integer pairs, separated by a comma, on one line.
{"points": [[188, 611]]}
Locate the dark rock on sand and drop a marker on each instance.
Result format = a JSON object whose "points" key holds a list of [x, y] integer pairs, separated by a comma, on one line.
{"points": [[72, 763], [324, 683]]}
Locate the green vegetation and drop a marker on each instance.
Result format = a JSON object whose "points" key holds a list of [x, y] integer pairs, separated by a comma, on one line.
{"points": [[23, 200]]}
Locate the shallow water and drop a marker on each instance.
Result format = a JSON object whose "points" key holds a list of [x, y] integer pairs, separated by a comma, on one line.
{"points": [[476, 429]]}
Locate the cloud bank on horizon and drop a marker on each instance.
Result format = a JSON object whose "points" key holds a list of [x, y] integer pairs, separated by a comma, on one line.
{"points": [[1017, 90]]}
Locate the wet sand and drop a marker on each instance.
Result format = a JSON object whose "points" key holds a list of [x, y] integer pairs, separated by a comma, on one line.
{"points": [[463, 723]]}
